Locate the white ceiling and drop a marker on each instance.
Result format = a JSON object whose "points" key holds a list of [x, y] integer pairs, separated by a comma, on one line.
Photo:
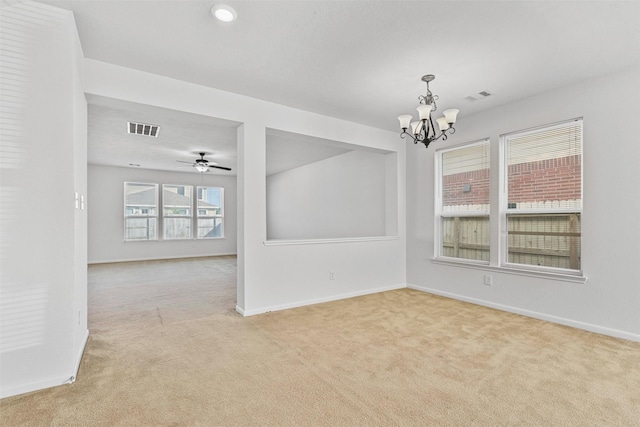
{"points": [[180, 138], [357, 60]]}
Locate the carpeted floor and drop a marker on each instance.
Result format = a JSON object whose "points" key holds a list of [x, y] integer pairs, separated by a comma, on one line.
{"points": [[167, 348]]}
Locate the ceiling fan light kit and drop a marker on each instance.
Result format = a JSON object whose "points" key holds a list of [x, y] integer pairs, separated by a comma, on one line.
{"points": [[423, 130]]}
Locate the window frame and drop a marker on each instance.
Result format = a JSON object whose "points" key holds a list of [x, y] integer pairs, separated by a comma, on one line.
{"points": [[438, 205], [197, 216], [184, 216], [127, 216], [504, 211], [160, 217]]}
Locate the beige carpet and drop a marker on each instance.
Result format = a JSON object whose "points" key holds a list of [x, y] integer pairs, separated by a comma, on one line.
{"points": [[167, 348]]}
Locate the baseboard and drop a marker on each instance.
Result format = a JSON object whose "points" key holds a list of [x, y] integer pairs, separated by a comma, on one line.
{"points": [[34, 386], [159, 258], [79, 356], [52, 382], [295, 304], [534, 314]]}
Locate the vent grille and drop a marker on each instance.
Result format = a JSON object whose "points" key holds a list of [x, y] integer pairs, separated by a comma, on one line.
{"points": [[143, 129], [477, 96]]}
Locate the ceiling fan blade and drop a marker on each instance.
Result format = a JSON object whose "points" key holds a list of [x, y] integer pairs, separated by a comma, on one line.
{"points": [[220, 167], [182, 161]]}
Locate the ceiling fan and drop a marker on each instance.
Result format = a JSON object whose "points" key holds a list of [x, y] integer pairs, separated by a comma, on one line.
{"points": [[202, 165]]}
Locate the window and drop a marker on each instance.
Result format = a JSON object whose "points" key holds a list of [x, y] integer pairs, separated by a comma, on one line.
{"points": [[536, 222], [542, 196], [178, 219], [463, 202], [210, 212], [177, 210], [140, 211]]}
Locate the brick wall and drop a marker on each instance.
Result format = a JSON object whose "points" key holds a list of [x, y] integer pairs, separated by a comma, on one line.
{"points": [[453, 188], [551, 179]]}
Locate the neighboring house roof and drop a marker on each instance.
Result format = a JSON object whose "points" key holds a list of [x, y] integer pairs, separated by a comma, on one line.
{"points": [[148, 198], [142, 198], [203, 204], [169, 198]]}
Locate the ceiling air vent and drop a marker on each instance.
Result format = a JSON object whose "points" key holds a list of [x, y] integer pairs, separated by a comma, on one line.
{"points": [[477, 96], [143, 129]]}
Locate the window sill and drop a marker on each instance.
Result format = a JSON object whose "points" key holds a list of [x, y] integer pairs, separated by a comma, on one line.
{"points": [[560, 276], [175, 240], [323, 241]]}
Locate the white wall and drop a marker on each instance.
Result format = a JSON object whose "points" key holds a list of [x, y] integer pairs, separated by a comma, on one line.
{"points": [[43, 326], [339, 197], [79, 138], [609, 302], [106, 221], [274, 277]]}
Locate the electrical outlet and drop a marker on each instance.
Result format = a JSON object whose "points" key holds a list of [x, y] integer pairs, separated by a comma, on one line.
{"points": [[332, 275], [488, 280]]}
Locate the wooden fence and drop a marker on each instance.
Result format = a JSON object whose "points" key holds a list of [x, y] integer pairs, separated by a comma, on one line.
{"points": [[551, 240]]}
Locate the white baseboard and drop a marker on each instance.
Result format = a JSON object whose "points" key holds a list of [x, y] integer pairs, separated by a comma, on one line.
{"points": [[79, 356], [295, 304], [51, 382], [48, 383], [34, 386], [108, 261], [536, 315]]}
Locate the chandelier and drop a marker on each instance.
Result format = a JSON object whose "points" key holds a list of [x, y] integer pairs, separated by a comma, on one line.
{"points": [[423, 130]]}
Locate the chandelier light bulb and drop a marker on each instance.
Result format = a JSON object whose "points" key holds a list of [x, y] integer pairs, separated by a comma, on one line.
{"points": [[416, 127], [424, 111], [405, 120], [442, 124], [451, 115]]}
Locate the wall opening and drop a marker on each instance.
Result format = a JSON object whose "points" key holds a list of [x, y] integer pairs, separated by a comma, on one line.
{"points": [[324, 189]]}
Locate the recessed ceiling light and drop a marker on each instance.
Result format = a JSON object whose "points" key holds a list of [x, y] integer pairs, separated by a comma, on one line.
{"points": [[224, 13]]}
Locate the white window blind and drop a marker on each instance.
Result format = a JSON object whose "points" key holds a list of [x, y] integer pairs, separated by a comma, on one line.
{"points": [[544, 168], [464, 181]]}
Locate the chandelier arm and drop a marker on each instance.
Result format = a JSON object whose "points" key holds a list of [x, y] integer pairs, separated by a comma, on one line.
{"points": [[405, 133], [433, 129], [444, 135]]}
